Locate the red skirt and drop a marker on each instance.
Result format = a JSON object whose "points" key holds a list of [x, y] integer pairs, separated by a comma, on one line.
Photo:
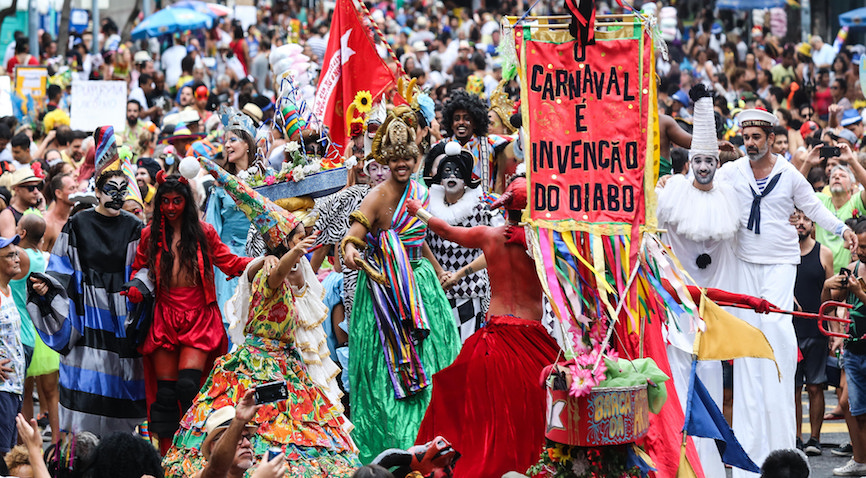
{"points": [[182, 318], [489, 403]]}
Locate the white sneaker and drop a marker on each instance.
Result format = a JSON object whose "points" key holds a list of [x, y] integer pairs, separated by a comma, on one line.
{"points": [[852, 468]]}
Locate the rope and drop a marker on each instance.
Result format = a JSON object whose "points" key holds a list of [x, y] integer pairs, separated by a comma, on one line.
{"points": [[382, 37]]}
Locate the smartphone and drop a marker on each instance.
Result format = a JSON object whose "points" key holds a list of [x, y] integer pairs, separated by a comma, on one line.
{"points": [[847, 273], [830, 151], [272, 392]]}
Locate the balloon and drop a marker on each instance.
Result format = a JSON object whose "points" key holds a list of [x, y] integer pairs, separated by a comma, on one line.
{"points": [[189, 167]]}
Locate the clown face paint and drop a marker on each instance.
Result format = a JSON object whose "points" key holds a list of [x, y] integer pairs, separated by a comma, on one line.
{"points": [[704, 168], [113, 193], [171, 206], [452, 178]]}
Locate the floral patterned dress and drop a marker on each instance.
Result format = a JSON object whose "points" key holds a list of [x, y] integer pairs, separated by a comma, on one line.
{"points": [[307, 424]]}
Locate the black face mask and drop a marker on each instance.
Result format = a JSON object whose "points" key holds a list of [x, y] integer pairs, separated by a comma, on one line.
{"points": [[117, 196]]}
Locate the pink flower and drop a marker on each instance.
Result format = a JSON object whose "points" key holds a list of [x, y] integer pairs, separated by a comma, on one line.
{"points": [[582, 383], [269, 180]]}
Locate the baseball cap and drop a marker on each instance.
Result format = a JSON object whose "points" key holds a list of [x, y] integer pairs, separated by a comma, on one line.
{"points": [[141, 57], [808, 128], [5, 241], [847, 135], [682, 97]]}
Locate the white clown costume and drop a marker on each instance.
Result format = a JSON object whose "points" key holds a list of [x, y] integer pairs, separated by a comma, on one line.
{"points": [[702, 237]]}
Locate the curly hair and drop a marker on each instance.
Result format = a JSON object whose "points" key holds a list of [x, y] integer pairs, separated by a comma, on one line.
{"points": [[124, 455], [462, 100], [17, 456]]}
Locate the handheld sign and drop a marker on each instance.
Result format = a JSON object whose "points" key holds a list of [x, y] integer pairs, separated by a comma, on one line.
{"points": [[31, 80], [98, 103]]}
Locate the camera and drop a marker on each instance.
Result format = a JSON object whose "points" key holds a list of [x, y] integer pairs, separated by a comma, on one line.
{"points": [[830, 151], [271, 392]]}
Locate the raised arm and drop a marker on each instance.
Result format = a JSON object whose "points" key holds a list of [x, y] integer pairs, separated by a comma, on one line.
{"points": [[229, 263], [805, 200], [471, 237], [760, 305]]}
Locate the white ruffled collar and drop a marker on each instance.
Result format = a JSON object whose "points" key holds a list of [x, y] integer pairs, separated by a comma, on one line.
{"points": [[457, 213]]}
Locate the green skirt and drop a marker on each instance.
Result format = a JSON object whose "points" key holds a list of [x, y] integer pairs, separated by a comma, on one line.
{"points": [[381, 421]]}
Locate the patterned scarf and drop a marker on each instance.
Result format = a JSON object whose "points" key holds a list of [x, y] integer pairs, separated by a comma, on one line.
{"points": [[398, 310]]}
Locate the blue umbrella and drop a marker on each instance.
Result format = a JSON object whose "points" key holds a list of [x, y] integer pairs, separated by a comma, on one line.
{"points": [[170, 20], [748, 4], [196, 5], [854, 18]]}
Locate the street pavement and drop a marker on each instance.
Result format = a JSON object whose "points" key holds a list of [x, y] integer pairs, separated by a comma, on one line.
{"points": [[833, 433]]}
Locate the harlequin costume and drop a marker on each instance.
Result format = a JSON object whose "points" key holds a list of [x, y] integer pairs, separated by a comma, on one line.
{"points": [[470, 297], [308, 426], [399, 335], [182, 317], [489, 403]]}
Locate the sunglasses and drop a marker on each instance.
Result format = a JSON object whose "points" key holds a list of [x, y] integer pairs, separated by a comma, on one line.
{"points": [[31, 187]]}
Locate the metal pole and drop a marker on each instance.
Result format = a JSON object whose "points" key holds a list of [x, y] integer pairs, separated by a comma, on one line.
{"points": [[33, 28], [146, 8], [805, 20], [94, 49]]}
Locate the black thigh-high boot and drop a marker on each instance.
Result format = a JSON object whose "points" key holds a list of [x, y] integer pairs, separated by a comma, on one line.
{"points": [[188, 384], [165, 411]]}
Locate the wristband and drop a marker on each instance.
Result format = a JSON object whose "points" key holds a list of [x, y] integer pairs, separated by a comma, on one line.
{"points": [[424, 215]]}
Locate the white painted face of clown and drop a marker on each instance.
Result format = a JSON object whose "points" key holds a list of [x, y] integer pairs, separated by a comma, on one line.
{"points": [[704, 168]]}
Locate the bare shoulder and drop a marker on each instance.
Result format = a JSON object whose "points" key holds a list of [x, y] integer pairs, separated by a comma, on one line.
{"points": [[826, 255]]}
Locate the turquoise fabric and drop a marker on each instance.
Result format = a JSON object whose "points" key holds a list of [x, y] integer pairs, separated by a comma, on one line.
{"points": [[232, 226]]}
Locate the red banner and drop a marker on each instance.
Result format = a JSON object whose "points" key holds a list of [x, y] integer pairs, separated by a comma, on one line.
{"points": [[588, 110]]}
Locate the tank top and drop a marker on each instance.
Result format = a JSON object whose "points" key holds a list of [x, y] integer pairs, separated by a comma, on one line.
{"points": [[19, 294], [16, 214], [807, 291]]}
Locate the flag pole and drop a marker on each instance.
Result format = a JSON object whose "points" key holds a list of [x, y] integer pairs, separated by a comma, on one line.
{"points": [[382, 37]]}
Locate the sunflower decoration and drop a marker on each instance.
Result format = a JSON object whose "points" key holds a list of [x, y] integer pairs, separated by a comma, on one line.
{"points": [[362, 104]]}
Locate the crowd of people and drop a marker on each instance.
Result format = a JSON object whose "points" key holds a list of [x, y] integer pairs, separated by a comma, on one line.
{"points": [[173, 320]]}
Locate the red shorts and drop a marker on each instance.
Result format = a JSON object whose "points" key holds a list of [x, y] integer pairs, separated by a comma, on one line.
{"points": [[182, 318]]}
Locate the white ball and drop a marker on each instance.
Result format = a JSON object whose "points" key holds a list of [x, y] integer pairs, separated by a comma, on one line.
{"points": [[453, 148], [189, 167]]}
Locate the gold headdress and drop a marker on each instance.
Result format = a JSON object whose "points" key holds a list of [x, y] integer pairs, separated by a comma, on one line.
{"points": [[409, 92], [503, 106], [396, 137]]}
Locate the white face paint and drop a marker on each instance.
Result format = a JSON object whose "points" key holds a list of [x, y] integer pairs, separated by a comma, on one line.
{"points": [[704, 168]]}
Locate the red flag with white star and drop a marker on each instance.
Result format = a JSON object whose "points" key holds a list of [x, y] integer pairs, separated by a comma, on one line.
{"points": [[351, 64]]}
